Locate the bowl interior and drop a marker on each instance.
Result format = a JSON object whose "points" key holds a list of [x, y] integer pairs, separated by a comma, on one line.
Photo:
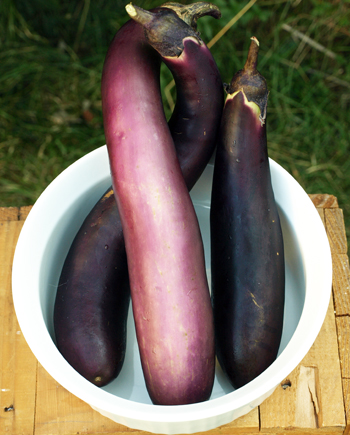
{"points": [[130, 383], [45, 240]]}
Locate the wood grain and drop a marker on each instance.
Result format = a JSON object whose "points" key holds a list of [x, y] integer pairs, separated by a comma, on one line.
{"points": [[9, 213], [346, 393], [58, 412], [315, 397], [18, 364], [14, 213], [341, 284], [311, 397], [336, 230], [343, 327], [24, 211], [322, 200]]}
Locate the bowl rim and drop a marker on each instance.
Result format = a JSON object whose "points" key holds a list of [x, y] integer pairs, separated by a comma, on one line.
{"points": [[39, 339]]}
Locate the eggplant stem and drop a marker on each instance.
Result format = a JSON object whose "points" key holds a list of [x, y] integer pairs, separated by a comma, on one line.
{"points": [[165, 31], [138, 14], [252, 58], [192, 12], [250, 81]]}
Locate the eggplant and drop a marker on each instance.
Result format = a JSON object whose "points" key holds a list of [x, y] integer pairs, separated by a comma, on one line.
{"points": [[168, 284], [247, 253], [96, 348], [89, 315]]}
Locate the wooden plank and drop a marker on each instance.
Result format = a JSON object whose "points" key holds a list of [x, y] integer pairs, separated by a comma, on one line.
{"points": [[341, 293], [24, 211], [325, 356], [248, 423], [336, 230], [58, 412], [321, 214], [343, 330], [305, 401], [18, 364], [346, 392], [9, 213], [310, 399], [14, 213], [323, 200], [341, 284], [307, 397]]}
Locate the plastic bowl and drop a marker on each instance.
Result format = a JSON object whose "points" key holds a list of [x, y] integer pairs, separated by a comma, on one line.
{"points": [[42, 247]]}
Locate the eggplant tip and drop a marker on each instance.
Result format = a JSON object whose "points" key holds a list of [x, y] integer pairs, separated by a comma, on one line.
{"points": [[253, 38], [138, 14], [130, 9]]}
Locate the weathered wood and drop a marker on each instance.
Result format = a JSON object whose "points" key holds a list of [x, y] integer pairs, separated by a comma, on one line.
{"points": [[315, 397], [17, 362], [14, 213], [321, 214], [343, 330], [310, 399], [341, 284], [24, 211], [323, 200], [305, 401], [60, 412], [346, 393], [336, 230], [9, 213], [248, 423]]}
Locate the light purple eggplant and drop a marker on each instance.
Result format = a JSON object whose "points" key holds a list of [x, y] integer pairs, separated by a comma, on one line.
{"points": [[94, 280], [169, 289]]}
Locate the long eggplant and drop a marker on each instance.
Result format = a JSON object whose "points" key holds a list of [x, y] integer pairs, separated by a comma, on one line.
{"points": [[93, 294], [247, 255], [169, 289], [90, 313]]}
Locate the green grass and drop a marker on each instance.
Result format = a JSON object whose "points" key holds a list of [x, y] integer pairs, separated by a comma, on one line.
{"points": [[51, 57]]}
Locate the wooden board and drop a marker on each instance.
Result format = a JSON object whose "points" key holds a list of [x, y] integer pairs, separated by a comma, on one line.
{"points": [[315, 397], [18, 365]]}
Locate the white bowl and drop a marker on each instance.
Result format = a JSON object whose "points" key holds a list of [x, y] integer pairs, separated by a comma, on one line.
{"points": [[42, 247]]}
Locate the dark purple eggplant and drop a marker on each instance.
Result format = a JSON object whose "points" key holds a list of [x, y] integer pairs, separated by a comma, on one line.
{"points": [[89, 315], [168, 284], [247, 255], [96, 349]]}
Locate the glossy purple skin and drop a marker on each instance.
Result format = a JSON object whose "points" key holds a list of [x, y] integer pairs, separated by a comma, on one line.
{"points": [[169, 289], [247, 256], [96, 349], [200, 99], [89, 314]]}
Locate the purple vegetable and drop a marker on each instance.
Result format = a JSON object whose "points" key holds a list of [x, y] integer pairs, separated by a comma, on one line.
{"points": [[247, 257], [96, 349], [89, 314], [169, 289]]}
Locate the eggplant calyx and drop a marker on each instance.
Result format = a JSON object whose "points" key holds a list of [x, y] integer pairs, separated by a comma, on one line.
{"points": [[251, 81], [192, 12], [164, 30]]}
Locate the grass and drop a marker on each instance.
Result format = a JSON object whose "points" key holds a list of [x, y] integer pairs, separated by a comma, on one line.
{"points": [[51, 57]]}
